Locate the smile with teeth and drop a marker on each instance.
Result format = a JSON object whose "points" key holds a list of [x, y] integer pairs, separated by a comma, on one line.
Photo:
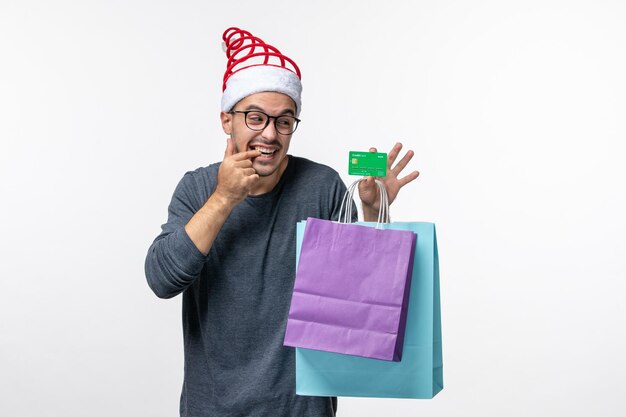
{"points": [[265, 151]]}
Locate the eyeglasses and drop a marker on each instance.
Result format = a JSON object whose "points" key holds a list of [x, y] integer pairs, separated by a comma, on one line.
{"points": [[257, 120]]}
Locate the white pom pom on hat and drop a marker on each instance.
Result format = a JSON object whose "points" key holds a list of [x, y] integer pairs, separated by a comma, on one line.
{"points": [[255, 67]]}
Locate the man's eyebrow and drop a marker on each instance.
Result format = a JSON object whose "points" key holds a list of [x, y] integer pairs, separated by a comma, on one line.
{"points": [[255, 107]]}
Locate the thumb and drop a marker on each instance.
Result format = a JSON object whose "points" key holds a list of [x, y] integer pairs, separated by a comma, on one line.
{"points": [[373, 150], [367, 183], [230, 148]]}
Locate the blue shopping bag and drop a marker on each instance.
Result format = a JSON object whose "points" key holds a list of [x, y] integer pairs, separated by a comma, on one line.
{"points": [[420, 372]]}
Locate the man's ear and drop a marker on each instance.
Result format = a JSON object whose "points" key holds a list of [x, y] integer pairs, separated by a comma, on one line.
{"points": [[227, 122]]}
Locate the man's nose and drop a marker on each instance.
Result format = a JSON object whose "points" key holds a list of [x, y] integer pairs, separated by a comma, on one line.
{"points": [[270, 130]]}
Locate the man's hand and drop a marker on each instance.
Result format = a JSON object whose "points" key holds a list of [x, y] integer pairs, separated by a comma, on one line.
{"points": [[236, 177], [368, 190]]}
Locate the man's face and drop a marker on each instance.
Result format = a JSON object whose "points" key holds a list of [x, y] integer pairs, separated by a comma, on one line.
{"points": [[273, 145]]}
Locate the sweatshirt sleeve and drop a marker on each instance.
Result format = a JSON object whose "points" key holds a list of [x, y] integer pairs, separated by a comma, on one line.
{"points": [[173, 262]]}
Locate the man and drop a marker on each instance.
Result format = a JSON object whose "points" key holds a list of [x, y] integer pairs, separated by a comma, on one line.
{"points": [[229, 243]]}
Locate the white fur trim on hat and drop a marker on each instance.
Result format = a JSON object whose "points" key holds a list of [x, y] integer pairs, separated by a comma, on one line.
{"points": [[260, 79]]}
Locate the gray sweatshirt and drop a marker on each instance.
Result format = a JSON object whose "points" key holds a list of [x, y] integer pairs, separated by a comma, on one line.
{"points": [[236, 299]]}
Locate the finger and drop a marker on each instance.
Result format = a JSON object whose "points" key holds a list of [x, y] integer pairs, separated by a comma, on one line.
{"points": [[393, 154], [230, 148], [373, 150], [249, 172], [412, 176], [253, 178], [403, 162], [241, 156], [244, 163], [369, 182]]}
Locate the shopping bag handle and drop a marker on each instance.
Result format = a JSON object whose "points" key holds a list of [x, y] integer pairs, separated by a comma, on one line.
{"points": [[345, 211]]}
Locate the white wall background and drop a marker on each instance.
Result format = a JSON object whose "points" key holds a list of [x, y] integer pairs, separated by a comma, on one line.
{"points": [[515, 110]]}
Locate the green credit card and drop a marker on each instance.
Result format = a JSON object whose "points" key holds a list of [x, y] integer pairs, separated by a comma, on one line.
{"points": [[368, 164]]}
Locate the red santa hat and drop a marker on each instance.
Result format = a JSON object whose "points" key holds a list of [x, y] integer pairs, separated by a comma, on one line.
{"points": [[255, 67]]}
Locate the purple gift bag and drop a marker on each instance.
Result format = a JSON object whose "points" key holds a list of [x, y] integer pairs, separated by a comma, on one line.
{"points": [[351, 290]]}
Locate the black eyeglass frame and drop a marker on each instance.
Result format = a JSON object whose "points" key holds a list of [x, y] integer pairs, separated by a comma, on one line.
{"points": [[267, 122]]}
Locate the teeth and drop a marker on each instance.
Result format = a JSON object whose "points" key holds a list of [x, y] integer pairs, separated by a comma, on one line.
{"points": [[265, 151]]}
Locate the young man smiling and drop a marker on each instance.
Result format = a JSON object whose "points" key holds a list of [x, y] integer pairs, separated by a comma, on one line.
{"points": [[229, 243]]}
